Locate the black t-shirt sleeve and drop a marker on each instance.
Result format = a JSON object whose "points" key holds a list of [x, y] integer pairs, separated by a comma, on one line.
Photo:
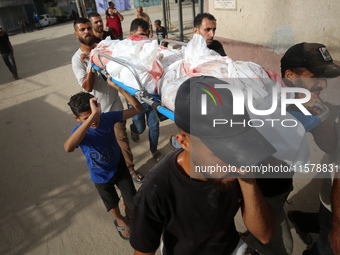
{"points": [[164, 31], [147, 222], [4, 43], [96, 39], [108, 33]]}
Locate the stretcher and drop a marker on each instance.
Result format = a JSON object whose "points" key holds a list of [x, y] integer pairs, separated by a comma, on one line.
{"points": [[142, 95], [292, 147], [309, 122]]}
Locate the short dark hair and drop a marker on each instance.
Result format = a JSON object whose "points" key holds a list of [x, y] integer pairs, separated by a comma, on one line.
{"points": [[80, 103], [157, 22], [198, 19], [80, 20], [138, 23], [93, 14], [297, 70]]}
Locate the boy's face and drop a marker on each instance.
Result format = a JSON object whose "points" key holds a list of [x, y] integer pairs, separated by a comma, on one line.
{"points": [[85, 115]]}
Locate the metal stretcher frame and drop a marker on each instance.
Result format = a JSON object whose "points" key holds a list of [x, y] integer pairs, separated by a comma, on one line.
{"points": [[309, 122], [141, 94]]}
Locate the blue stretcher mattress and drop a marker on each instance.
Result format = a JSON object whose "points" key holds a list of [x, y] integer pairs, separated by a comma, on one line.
{"points": [[157, 100]]}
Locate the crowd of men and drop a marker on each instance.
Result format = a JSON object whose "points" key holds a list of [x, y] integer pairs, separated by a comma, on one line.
{"points": [[196, 215]]}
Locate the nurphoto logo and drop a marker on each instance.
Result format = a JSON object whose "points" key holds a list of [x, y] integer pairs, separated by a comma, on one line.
{"points": [[240, 100]]}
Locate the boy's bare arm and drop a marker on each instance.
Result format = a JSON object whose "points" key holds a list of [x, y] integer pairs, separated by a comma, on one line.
{"points": [[75, 139], [257, 214], [136, 105], [121, 17]]}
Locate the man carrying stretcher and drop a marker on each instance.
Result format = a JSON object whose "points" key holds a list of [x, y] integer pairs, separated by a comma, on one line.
{"points": [[95, 84]]}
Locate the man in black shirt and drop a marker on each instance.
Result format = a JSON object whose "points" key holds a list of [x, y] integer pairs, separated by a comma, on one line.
{"points": [[309, 65], [193, 209], [304, 65], [205, 25], [7, 53], [98, 28]]}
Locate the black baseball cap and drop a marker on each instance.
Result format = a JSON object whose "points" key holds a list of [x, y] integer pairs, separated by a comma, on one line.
{"points": [[312, 56], [237, 145]]}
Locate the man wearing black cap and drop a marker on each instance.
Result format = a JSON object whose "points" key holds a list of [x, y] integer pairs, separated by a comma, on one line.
{"points": [[312, 60], [308, 65], [304, 65], [7, 53], [193, 194]]}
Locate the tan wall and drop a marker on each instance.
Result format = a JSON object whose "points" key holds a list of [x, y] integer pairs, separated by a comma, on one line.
{"points": [[279, 24]]}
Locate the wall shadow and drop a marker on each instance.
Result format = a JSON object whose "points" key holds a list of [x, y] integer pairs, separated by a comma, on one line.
{"points": [[42, 188]]}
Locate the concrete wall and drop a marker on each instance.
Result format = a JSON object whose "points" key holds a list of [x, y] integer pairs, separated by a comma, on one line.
{"points": [[275, 25]]}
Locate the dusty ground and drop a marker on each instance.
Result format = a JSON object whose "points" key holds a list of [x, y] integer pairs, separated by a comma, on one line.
{"points": [[48, 203]]}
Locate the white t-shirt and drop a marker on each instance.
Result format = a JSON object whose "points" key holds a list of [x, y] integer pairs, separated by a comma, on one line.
{"points": [[107, 96]]}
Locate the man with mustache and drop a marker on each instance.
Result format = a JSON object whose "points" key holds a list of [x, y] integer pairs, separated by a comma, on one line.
{"points": [[94, 83], [304, 65], [309, 65], [98, 28], [205, 25], [194, 210]]}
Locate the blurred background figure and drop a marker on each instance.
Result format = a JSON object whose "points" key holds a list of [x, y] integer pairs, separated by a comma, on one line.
{"points": [[7, 53]]}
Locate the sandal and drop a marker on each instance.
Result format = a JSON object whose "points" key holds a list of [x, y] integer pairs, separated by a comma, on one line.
{"points": [[137, 177], [122, 229], [157, 155]]}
